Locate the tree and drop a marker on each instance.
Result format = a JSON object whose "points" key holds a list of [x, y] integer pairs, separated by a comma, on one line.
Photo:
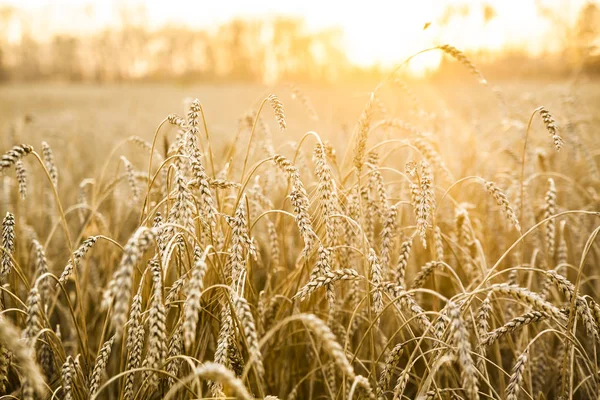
{"points": [[588, 37], [6, 15]]}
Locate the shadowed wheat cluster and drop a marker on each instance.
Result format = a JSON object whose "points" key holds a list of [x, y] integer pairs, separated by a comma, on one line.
{"points": [[396, 265]]}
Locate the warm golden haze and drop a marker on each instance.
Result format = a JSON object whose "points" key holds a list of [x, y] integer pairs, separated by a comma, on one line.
{"points": [[274, 41], [264, 207]]}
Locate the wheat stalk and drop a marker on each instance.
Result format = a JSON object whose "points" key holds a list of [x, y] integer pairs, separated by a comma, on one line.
{"points": [[244, 315], [462, 58], [362, 133], [191, 307], [218, 373], [330, 344], [460, 337], [100, 366], [157, 334], [391, 360], [516, 379], [67, 378], [134, 344], [550, 210], [327, 278], [8, 244], [387, 238], [376, 279], [528, 297], [119, 289], [551, 127], [21, 174], [502, 201], [426, 271], [408, 302], [513, 325], [48, 156], [277, 107], [11, 157], [76, 258]]}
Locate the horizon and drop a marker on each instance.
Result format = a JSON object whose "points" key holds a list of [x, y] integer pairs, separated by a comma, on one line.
{"points": [[371, 39]]}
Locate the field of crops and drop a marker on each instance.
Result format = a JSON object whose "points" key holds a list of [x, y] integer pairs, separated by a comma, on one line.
{"points": [[403, 241]]}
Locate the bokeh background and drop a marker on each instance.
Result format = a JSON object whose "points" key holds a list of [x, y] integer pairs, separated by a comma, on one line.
{"points": [[86, 73], [265, 41]]}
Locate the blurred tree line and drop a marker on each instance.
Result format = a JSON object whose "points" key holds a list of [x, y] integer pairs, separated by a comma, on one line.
{"points": [[245, 50], [575, 43], [265, 50]]}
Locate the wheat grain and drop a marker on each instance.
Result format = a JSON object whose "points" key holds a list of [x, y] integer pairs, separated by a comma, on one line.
{"points": [[175, 349], [218, 373], [376, 279], [135, 191], [581, 305], [277, 107], [462, 58], [423, 200], [402, 263], [516, 379], [176, 120], [551, 127], [460, 337], [528, 297], [48, 156], [439, 244], [391, 361], [401, 383], [8, 244], [33, 322], [76, 258], [482, 326], [330, 344], [134, 344], [223, 343], [244, 315], [424, 273], [67, 379], [42, 268], [5, 361], [387, 238], [21, 178], [362, 133], [512, 325], [157, 334], [562, 252], [327, 193], [327, 278], [191, 308], [22, 356], [408, 302], [100, 366], [502, 201], [239, 233], [119, 290], [15, 154], [550, 210], [299, 200], [206, 198]]}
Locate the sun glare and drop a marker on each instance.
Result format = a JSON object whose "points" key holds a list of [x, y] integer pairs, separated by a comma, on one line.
{"points": [[383, 34], [390, 33], [424, 63]]}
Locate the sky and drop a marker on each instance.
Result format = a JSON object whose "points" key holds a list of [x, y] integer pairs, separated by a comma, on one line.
{"points": [[374, 31]]}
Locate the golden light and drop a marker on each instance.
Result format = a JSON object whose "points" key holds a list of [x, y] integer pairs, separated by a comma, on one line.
{"points": [[378, 33]]}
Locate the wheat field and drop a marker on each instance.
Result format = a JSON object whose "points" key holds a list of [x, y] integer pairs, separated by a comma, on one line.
{"points": [[396, 242]]}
